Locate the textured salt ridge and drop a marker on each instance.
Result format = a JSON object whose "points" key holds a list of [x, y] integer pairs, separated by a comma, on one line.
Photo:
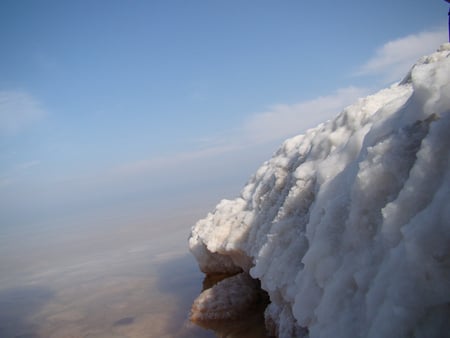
{"points": [[347, 226]]}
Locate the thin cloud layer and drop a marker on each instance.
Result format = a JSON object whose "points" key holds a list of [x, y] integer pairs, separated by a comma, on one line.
{"points": [[275, 125], [393, 59], [161, 163], [17, 111], [282, 121]]}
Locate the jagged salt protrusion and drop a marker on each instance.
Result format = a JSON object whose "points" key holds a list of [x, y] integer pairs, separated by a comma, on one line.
{"points": [[348, 225]]}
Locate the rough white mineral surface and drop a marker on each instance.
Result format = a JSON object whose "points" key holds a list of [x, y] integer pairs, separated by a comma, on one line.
{"points": [[348, 226]]}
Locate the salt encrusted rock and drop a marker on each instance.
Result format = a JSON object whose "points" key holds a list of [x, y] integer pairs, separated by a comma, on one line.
{"points": [[348, 226], [227, 300]]}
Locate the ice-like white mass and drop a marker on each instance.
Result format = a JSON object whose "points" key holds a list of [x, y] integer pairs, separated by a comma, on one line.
{"points": [[348, 226]]}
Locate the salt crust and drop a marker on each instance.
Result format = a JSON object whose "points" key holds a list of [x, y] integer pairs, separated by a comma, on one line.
{"points": [[348, 225]]}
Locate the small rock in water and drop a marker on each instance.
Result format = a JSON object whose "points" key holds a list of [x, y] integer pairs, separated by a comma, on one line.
{"points": [[124, 321]]}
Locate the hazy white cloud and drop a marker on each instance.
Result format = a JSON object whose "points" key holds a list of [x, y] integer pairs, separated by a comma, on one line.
{"points": [[394, 58], [29, 164], [176, 160], [249, 140], [16, 172], [17, 111], [6, 182], [244, 147], [282, 121]]}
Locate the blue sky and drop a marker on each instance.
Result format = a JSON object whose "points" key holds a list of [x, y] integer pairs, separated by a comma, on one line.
{"points": [[129, 106]]}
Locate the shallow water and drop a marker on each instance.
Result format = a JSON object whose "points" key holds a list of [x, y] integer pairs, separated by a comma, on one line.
{"points": [[105, 277], [98, 280]]}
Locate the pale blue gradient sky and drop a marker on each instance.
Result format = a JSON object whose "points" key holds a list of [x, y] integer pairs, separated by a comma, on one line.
{"points": [[134, 107]]}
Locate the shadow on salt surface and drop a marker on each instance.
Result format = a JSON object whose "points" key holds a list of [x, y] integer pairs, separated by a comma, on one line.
{"points": [[17, 305]]}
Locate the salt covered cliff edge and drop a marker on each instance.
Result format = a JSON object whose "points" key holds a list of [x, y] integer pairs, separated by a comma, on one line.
{"points": [[348, 226]]}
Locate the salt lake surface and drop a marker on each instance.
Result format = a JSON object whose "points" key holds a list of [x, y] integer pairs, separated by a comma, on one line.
{"points": [[99, 277]]}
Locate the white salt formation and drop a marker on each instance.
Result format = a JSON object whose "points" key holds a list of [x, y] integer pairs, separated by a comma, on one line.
{"points": [[348, 226]]}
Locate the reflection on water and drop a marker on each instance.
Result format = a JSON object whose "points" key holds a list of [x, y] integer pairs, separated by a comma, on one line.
{"points": [[108, 281], [129, 281], [232, 306], [16, 305]]}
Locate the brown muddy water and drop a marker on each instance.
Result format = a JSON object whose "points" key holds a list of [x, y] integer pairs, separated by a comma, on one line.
{"points": [[105, 278]]}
